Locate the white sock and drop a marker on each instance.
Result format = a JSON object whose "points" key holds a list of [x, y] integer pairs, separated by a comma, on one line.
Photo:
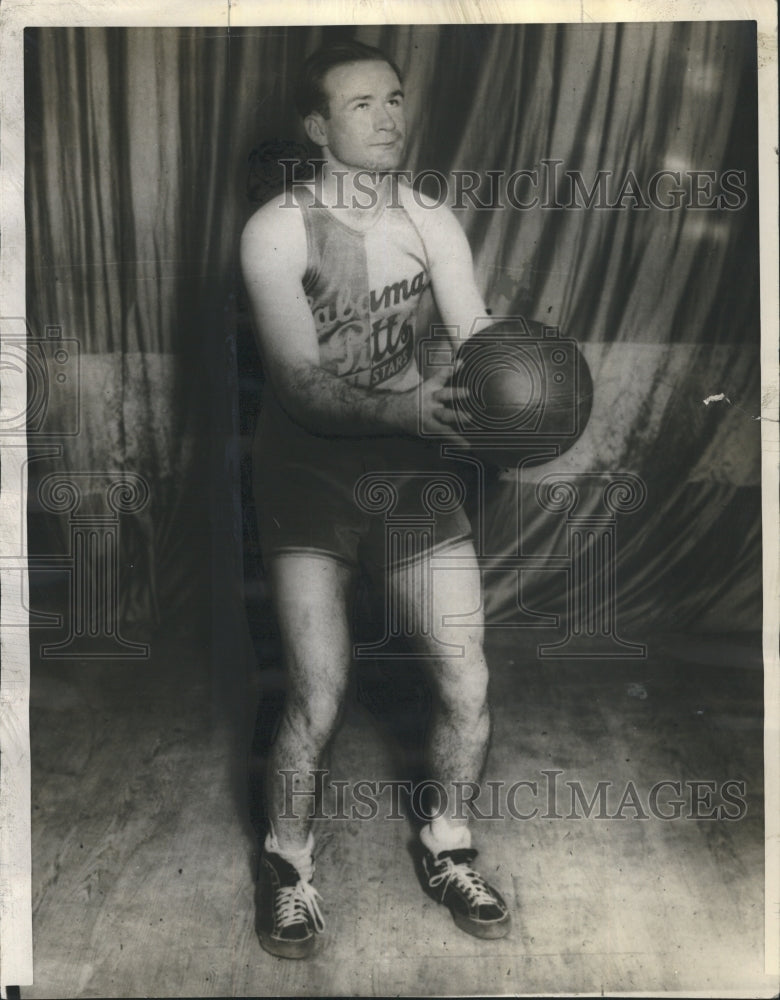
{"points": [[299, 857], [441, 835]]}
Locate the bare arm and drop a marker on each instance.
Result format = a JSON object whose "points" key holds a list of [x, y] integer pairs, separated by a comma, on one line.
{"points": [[458, 298], [273, 260]]}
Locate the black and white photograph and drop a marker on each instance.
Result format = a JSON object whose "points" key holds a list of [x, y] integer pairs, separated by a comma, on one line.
{"points": [[388, 563]]}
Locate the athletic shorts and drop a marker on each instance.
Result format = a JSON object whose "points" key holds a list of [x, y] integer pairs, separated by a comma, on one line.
{"points": [[376, 502]]}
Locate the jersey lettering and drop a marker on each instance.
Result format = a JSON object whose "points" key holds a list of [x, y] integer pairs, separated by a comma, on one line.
{"points": [[364, 290]]}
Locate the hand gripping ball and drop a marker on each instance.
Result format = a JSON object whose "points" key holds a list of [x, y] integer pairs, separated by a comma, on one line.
{"points": [[528, 393]]}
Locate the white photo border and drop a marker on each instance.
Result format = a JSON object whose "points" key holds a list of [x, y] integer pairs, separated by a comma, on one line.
{"points": [[16, 954]]}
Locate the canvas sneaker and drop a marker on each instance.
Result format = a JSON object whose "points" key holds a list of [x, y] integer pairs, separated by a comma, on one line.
{"points": [[476, 906], [286, 908]]}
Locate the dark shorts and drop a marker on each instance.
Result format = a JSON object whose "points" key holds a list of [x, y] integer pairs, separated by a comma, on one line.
{"points": [[379, 502]]}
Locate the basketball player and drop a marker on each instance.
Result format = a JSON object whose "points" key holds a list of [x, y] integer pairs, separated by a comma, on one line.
{"points": [[335, 277]]}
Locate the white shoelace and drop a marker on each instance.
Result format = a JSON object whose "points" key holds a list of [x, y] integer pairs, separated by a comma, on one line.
{"points": [[465, 878], [294, 902]]}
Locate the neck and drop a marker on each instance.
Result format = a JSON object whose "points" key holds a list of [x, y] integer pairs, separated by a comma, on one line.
{"points": [[360, 193]]}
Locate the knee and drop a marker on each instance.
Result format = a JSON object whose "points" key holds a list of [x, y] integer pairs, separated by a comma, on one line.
{"points": [[313, 721], [464, 695]]}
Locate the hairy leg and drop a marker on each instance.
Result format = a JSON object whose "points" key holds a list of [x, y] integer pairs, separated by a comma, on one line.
{"points": [[433, 592], [310, 595]]}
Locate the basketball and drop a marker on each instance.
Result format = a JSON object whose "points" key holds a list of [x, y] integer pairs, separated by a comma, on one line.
{"points": [[528, 392]]}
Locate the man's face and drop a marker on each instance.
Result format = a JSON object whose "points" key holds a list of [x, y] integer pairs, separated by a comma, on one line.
{"points": [[367, 127]]}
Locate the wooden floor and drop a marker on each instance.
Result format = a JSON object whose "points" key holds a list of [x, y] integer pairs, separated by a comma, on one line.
{"points": [[144, 854]]}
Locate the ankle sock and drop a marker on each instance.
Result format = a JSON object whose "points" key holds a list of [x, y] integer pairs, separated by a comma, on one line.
{"points": [[439, 835], [300, 858]]}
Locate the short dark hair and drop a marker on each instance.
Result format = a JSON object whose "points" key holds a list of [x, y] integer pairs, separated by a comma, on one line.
{"points": [[309, 92]]}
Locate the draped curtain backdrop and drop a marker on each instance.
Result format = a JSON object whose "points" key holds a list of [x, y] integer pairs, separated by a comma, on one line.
{"points": [[141, 174]]}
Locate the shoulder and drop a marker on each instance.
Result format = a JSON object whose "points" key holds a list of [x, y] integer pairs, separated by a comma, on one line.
{"points": [[433, 218], [277, 231]]}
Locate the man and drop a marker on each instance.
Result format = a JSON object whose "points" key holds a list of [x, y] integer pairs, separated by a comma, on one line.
{"points": [[335, 277]]}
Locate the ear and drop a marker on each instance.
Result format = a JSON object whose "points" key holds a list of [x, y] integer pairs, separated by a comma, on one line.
{"points": [[314, 124]]}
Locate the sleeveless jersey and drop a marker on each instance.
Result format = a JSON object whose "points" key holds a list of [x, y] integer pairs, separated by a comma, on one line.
{"points": [[364, 289]]}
